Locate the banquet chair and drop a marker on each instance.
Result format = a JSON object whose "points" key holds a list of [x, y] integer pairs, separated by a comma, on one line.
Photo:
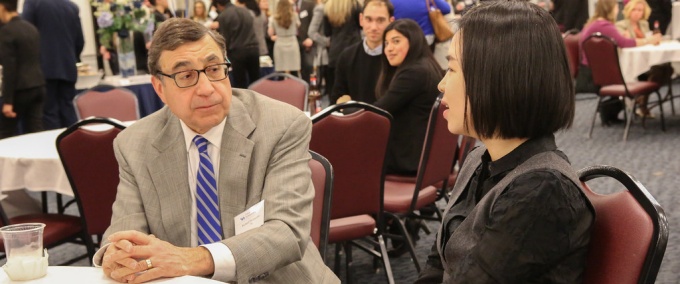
{"points": [[403, 198], [571, 38], [356, 145], [322, 178], [630, 231], [59, 229], [283, 87], [603, 57], [92, 170], [107, 101]]}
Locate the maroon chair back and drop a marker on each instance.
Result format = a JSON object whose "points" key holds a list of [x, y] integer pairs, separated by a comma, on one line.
{"points": [[92, 170], [118, 103], [439, 151], [322, 178], [603, 59], [356, 145], [283, 87], [571, 39], [630, 232]]}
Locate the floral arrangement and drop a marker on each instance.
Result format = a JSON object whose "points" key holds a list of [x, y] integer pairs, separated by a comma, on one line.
{"points": [[121, 17]]}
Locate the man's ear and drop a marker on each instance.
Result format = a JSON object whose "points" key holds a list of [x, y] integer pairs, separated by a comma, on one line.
{"points": [[392, 19], [361, 19], [158, 87]]}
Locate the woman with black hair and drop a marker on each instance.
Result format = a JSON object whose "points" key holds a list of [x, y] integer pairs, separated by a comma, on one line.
{"points": [[407, 89], [516, 213]]}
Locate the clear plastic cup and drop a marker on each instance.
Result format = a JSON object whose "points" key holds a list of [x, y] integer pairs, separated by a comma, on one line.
{"points": [[24, 250]]}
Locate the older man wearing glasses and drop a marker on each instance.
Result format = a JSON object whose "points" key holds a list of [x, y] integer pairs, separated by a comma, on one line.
{"points": [[216, 183]]}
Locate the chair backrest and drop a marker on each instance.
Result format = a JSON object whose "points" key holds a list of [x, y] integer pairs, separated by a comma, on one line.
{"points": [[603, 59], [439, 151], [283, 87], [356, 145], [571, 39], [118, 103], [322, 178], [630, 233], [92, 170]]}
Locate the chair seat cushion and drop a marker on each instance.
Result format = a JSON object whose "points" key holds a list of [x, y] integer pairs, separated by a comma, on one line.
{"points": [[635, 89], [398, 196], [398, 178], [350, 228], [57, 227]]}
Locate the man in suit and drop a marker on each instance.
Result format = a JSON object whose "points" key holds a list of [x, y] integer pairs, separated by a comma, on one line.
{"points": [[236, 26], [220, 168], [23, 87], [305, 9], [61, 42], [661, 12]]}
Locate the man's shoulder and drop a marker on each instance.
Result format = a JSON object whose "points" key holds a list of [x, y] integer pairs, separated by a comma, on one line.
{"points": [[263, 109], [350, 52]]}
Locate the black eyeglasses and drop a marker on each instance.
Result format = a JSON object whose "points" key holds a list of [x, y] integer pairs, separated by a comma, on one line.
{"points": [[188, 78]]}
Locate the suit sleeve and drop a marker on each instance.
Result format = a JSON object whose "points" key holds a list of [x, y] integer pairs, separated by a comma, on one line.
{"points": [[288, 195], [80, 41], [405, 86], [10, 72], [315, 28]]}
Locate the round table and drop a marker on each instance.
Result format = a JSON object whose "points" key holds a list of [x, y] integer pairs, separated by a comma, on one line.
{"points": [[88, 275]]}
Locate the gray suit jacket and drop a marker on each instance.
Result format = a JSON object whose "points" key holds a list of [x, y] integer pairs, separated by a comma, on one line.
{"points": [[264, 155]]}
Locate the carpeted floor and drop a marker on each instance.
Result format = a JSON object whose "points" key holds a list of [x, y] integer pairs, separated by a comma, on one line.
{"points": [[649, 154]]}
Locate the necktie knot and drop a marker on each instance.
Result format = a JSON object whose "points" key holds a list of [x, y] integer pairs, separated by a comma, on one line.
{"points": [[201, 143]]}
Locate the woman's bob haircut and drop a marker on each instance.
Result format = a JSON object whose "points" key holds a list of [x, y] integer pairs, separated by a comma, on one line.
{"points": [[516, 71]]}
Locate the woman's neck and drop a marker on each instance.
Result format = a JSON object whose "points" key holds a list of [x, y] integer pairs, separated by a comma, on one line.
{"points": [[499, 147]]}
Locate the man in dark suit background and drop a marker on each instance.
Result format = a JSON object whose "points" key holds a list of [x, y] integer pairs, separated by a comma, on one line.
{"points": [[305, 8], [662, 12], [23, 87], [61, 42]]}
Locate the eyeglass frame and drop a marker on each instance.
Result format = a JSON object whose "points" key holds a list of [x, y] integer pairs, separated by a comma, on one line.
{"points": [[172, 76]]}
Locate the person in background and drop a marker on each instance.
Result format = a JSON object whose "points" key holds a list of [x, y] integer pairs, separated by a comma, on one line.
{"points": [[570, 14], [317, 33], [200, 14], [662, 11], [259, 23], [305, 9], [417, 11], [213, 153], [359, 64], [635, 25], [61, 42], [517, 213], [602, 21], [407, 89], [341, 23], [23, 83], [283, 27], [545, 4], [236, 26]]}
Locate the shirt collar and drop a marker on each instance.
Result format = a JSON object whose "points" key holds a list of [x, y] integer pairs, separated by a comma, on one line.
{"points": [[520, 154], [214, 135], [373, 52]]}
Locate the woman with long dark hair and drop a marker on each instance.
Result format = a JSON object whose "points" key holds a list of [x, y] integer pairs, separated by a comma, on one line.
{"points": [[407, 89]]}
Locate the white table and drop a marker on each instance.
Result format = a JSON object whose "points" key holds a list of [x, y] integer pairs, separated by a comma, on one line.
{"points": [[89, 275], [31, 161], [637, 60]]}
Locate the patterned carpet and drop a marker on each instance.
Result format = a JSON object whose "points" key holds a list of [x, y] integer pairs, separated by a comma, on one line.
{"points": [[649, 154]]}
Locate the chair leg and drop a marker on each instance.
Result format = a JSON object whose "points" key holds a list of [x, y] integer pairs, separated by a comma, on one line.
{"points": [[597, 110], [348, 263], [385, 260], [629, 118], [663, 121], [89, 245], [409, 241], [336, 266]]}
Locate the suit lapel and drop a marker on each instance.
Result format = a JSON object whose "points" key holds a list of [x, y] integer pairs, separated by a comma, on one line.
{"points": [[235, 157], [169, 172]]}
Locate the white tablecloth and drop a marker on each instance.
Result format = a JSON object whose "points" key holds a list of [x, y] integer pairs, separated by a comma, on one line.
{"points": [[637, 60], [90, 275], [31, 161], [89, 81]]}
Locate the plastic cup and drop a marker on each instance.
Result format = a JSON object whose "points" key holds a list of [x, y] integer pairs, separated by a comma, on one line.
{"points": [[24, 250]]}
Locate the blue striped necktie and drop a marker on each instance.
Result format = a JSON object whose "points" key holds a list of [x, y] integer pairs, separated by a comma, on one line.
{"points": [[207, 209]]}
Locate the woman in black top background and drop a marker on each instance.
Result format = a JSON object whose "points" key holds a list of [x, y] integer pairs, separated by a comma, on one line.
{"points": [[407, 89]]}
